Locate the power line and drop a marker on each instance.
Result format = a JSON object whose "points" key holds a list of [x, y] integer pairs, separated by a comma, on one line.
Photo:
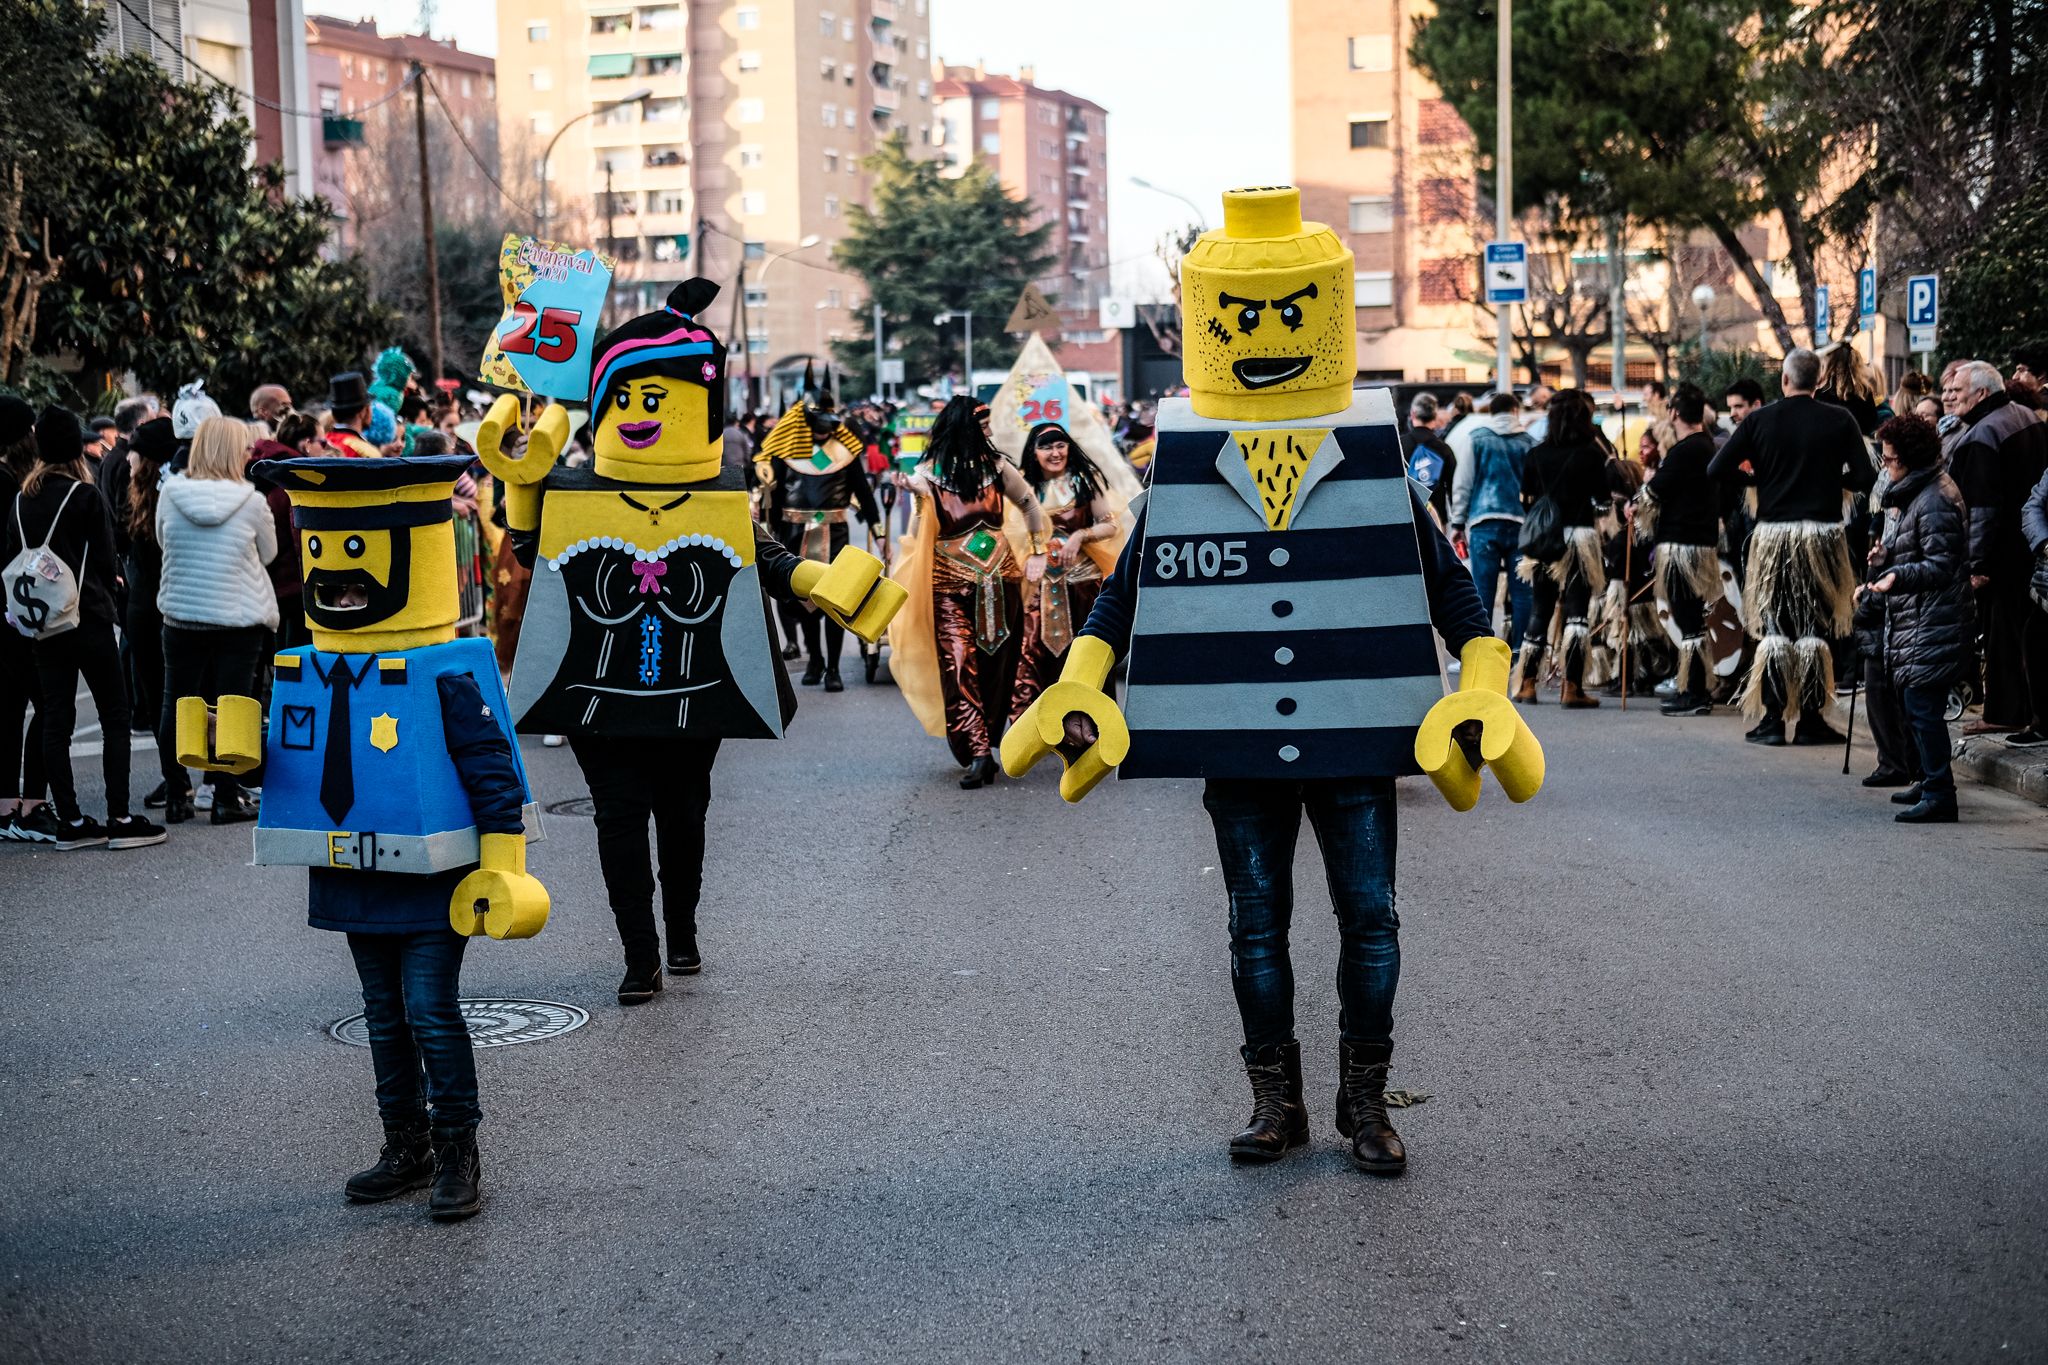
{"points": [[463, 138], [237, 92]]}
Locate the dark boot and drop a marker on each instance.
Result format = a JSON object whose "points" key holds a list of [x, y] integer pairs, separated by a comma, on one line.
{"points": [[1813, 729], [682, 950], [1573, 697], [406, 1164], [1770, 730], [1687, 704], [458, 1176], [1935, 808], [1279, 1118], [1532, 672], [1362, 1108], [1909, 797], [980, 773], [814, 672], [833, 682]]}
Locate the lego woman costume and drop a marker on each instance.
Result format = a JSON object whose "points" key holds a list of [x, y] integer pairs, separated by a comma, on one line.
{"points": [[391, 775], [954, 650], [645, 638], [1083, 519]]}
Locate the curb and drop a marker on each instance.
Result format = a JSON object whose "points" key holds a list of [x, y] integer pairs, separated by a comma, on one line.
{"points": [[1987, 759]]}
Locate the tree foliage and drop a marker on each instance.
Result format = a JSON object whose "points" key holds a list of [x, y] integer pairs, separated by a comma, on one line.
{"points": [[1992, 300], [935, 244], [40, 143], [179, 259]]}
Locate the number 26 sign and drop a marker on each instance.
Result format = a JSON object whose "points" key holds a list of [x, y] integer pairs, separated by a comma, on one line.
{"points": [[553, 296]]}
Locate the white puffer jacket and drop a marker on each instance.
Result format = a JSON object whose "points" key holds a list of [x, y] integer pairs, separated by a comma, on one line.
{"points": [[216, 536]]}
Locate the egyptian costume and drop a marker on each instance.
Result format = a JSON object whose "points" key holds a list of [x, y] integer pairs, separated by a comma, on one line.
{"points": [[645, 638], [816, 481], [391, 774], [953, 651], [1279, 604], [1080, 513]]}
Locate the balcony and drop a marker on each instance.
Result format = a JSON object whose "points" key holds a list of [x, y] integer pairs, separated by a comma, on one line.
{"points": [[886, 99], [881, 51], [337, 131], [884, 11], [661, 157], [1077, 124]]}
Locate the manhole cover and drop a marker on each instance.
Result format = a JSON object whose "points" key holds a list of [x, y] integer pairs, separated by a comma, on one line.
{"points": [[579, 806], [492, 1023]]}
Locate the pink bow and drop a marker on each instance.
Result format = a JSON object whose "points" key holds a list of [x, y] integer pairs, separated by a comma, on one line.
{"points": [[649, 571]]}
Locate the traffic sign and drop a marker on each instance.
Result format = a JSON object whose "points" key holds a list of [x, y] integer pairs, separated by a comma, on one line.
{"points": [[1507, 272], [892, 371], [1821, 319], [1923, 301], [1920, 339], [1866, 292], [1115, 313]]}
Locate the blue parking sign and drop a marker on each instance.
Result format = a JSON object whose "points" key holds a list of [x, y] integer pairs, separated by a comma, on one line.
{"points": [[1866, 292], [1923, 301]]}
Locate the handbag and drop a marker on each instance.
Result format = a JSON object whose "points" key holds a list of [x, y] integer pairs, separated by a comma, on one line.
{"points": [[1542, 537]]}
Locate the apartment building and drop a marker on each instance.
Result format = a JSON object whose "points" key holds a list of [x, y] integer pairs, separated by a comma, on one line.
{"points": [[1050, 148], [719, 139]]}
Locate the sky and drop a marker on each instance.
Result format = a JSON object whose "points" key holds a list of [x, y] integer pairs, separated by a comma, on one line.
{"points": [[1197, 94]]}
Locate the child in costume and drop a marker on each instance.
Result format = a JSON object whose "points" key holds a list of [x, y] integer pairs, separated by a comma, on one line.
{"points": [[391, 774], [812, 464], [1276, 602], [954, 654], [1082, 516], [645, 638]]}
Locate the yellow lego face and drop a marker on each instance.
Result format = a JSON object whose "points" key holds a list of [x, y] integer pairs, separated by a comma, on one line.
{"points": [[656, 428], [382, 580], [1267, 332]]}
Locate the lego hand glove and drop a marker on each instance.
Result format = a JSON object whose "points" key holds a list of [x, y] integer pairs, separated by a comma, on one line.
{"points": [[521, 477], [851, 591], [500, 898], [1042, 729], [223, 739], [1504, 741]]}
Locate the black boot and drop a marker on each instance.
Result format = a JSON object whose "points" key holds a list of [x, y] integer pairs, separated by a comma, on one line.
{"points": [[642, 982], [1687, 704], [833, 682], [682, 951], [406, 1164], [1362, 1108], [814, 671], [1814, 729], [458, 1176], [232, 807], [1935, 808], [1770, 730], [1279, 1118], [980, 773]]}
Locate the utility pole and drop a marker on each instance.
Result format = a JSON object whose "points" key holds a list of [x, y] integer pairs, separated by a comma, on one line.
{"points": [[746, 339], [968, 347], [419, 90], [879, 394], [1617, 301], [610, 238], [1504, 184]]}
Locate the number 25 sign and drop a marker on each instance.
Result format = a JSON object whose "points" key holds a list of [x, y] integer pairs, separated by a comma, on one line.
{"points": [[553, 296]]}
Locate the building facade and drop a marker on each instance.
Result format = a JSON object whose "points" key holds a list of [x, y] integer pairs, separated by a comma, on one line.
{"points": [[701, 137], [1050, 148]]}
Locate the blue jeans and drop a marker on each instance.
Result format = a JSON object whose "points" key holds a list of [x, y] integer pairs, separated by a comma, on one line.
{"points": [[1257, 823], [1492, 545], [410, 984], [1924, 707]]}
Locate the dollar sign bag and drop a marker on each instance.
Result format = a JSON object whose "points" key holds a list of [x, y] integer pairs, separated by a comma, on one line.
{"points": [[42, 592]]}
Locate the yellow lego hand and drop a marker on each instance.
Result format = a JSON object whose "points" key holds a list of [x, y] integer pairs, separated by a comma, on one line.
{"points": [[500, 898], [1043, 728], [852, 591], [227, 739], [543, 443], [1503, 741]]}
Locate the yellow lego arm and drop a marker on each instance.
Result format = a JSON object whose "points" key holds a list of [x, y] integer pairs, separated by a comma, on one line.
{"points": [[1042, 729], [1503, 741], [223, 739], [851, 590], [543, 444], [501, 898]]}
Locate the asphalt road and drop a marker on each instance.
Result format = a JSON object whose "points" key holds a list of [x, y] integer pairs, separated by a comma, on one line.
{"points": [[1724, 1066]]}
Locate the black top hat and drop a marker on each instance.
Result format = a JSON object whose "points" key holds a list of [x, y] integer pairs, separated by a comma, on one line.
{"points": [[347, 392]]}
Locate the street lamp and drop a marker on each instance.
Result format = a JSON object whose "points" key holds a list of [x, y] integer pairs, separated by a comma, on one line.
{"points": [[634, 98], [746, 335], [966, 345], [1144, 184], [1703, 299]]}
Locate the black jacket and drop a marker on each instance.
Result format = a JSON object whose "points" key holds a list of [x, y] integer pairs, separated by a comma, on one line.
{"points": [[1688, 502], [83, 538], [1806, 453], [1995, 466], [1576, 476], [1426, 439], [1929, 613]]}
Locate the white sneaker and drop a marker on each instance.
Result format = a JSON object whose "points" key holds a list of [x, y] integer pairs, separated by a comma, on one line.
{"points": [[553, 741], [202, 797], [1668, 688]]}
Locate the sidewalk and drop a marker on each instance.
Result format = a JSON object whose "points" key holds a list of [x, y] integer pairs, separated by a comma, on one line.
{"points": [[1987, 759]]}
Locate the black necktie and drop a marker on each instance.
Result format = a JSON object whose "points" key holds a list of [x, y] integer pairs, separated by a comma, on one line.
{"points": [[337, 769]]}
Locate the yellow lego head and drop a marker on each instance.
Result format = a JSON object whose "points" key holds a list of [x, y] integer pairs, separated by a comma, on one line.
{"points": [[657, 393], [1266, 324], [376, 548]]}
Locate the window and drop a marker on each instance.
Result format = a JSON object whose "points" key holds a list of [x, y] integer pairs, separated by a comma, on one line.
{"points": [[757, 345], [661, 64], [826, 23], [383, 73], [348, 65], [615, 115], [541, 78], [924, 89], [1455, 374], [661, 16], [1372, 52], [609, 65], [490, 87], [611, 23], [1372, 213], [749, 111], [1444, 200], [1372, 289], [846, 119], [846, 30], [757, 297], [751, 155], [832, 298], [746, 18], [1436, 124], [662, 111], [755, 251], [537, 33], [667, 201], [991, 143], [542, 122], [330, 100], [919, 6], [991, 108], [664, 156], [1369, 132], [468, 89], [831, 112], [831, 206], [831, 160], [753, 203], [1447, 280], [923, 49]]}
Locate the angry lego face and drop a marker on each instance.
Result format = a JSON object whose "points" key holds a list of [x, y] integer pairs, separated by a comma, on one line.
{"points": [[656, 425], [1266, 323]]}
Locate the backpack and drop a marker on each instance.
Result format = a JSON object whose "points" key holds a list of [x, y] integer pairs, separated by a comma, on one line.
{"points": [[42, 592], [1542, 537]]}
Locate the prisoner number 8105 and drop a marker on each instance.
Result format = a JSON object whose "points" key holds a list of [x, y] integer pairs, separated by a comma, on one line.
{"points": [[1200, 559]]}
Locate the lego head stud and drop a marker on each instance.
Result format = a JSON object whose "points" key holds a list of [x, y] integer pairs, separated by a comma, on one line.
{"points": [[657, 393], [1266, 325], [377, 544]]}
